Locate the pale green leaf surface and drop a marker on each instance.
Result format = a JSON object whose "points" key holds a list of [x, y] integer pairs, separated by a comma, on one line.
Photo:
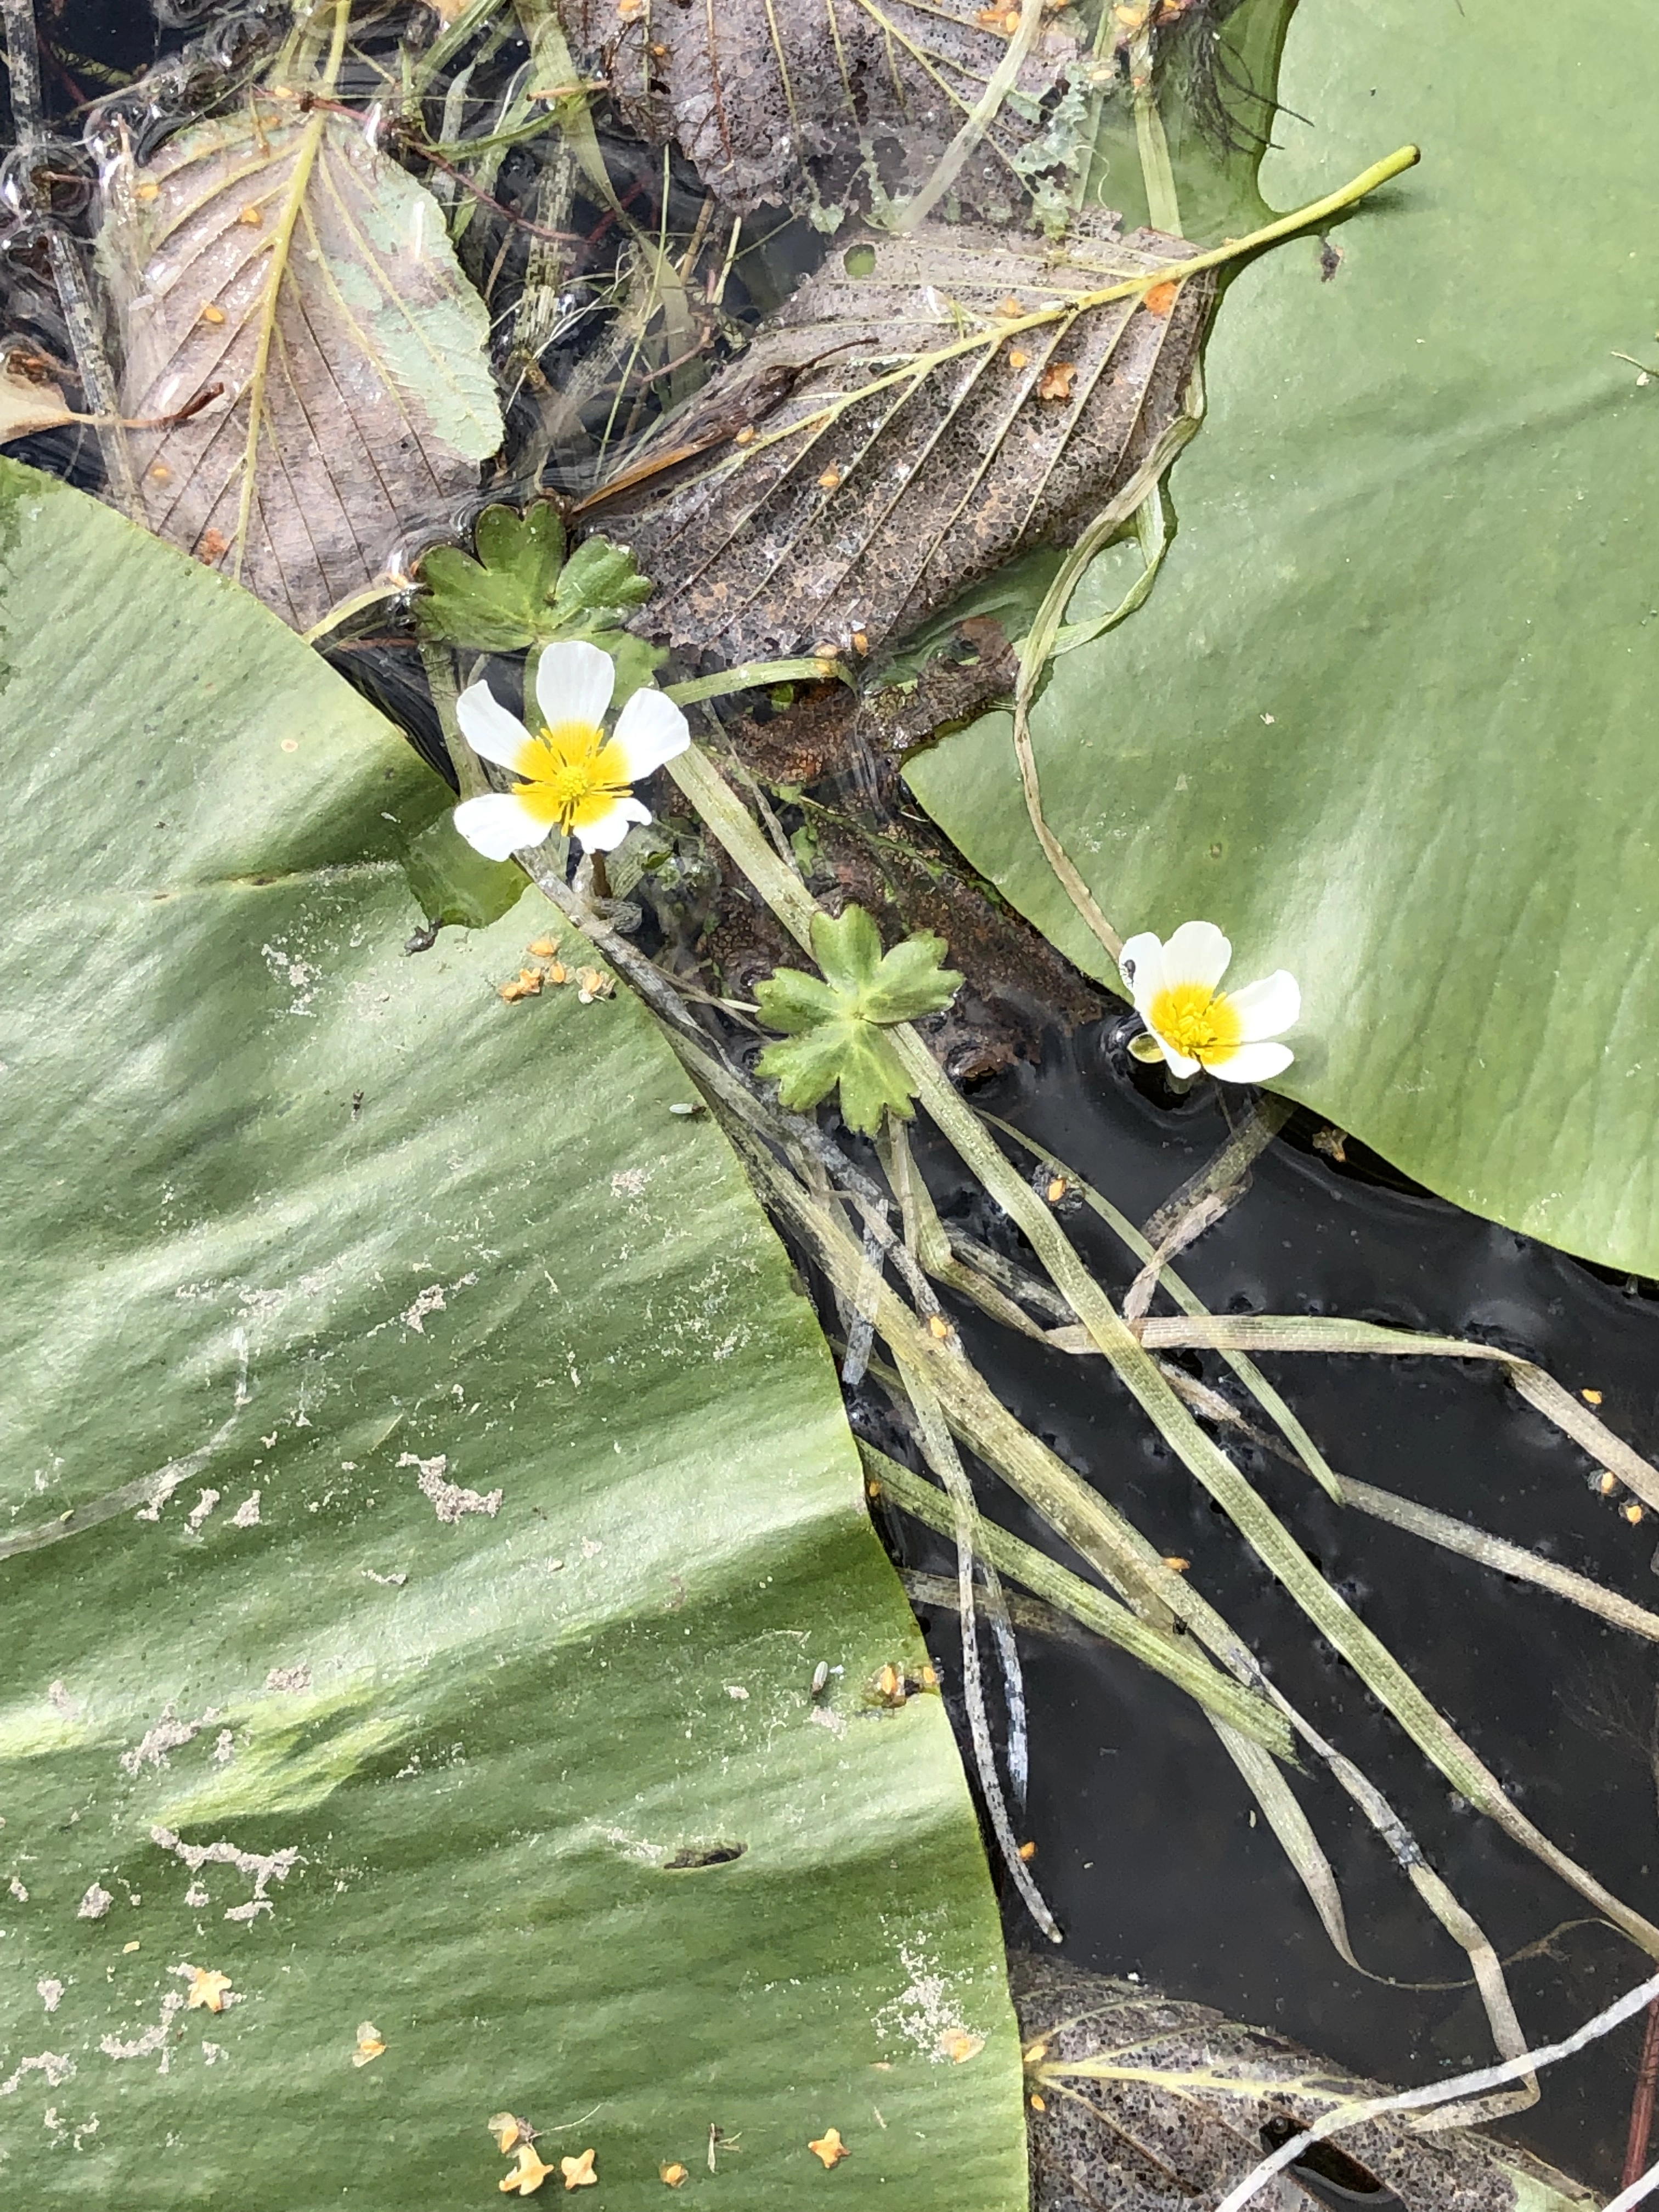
{"points": [[835, 1028], [1388, 717], [298, 1220], [841, 1050]]}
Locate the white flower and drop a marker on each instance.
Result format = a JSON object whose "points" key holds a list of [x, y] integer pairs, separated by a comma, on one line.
{"points": [[1195, 1025], [571, 776]]}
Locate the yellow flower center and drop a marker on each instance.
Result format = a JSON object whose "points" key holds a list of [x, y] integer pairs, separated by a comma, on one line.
{"points": [[573, 775], [1201, 1024]]}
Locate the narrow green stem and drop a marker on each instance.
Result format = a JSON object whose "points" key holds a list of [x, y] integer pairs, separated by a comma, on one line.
{"points": [[723, 813], [1165, 1654], [754, 676]]}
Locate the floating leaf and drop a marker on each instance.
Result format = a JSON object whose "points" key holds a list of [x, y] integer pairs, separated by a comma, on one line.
{"points": [[1139, 2100], [1388, 714], [758, 92], [328, 1228], [835, 1027], [283, 257], [898, 445]]}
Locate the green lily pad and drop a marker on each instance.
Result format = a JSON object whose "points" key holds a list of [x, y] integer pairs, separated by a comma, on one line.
{"points": [[1388, 715], [427, 1503]]}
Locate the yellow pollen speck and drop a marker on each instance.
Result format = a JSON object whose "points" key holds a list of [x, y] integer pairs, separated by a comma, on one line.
{"points": [[1632, 1512], [160, 472], [150, 190], [251, 217], [1056, 1190], [1200, 1023], [1018, 358], [939, 1327], [1606, 1482], [745, 436], [829, 2147], [207, 1989], [1038, 2103], [674, 2176], [530, 2176], [1591, 1397], [1028, 1850], [544, 948], [830, 480], [212, 314]]}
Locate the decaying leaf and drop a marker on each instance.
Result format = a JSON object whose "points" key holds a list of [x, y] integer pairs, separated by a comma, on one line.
{"points": [[1141, 2103], [281, 255], [901, 455], [760, 93], [28, 403]]}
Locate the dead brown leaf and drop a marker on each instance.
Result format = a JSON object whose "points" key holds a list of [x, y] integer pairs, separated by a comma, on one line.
{"points": [[761, 94], [903, 451], [28, 402], [278, 254], [1196, 2099]]}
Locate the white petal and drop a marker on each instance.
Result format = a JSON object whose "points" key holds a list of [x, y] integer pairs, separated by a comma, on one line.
{"points": [[1141, 962], [1197, 953], [608, 832], [491, 731], [1178, 1062], [1267, 1007], [497, 824], [1252, 1063], [649, 730], [574, 684]]}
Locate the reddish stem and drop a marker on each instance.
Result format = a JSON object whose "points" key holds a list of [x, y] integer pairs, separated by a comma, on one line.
{"points": [[1641, 2108]]}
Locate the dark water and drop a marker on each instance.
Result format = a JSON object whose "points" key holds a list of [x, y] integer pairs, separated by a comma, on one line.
{"points": [[1145, 1848]]}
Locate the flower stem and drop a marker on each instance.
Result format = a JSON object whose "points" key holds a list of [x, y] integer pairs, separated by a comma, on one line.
{"points": [[724, 814], [753, 676]]}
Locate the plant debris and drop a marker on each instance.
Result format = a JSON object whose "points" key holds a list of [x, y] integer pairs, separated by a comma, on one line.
{"points": [[358, 399], [901, 458], [788, 101]]}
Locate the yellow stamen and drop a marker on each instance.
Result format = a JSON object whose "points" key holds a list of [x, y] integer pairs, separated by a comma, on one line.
{"points": [[574, 775], [1201, 1024]]}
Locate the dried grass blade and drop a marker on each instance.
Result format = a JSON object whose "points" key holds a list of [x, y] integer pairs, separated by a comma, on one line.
{"points": [[968, 1532], [1438, 2093], [1241, 1710], [1502, 1557], [1319, 1333], [1247, 1372], [1296, 1839]]}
